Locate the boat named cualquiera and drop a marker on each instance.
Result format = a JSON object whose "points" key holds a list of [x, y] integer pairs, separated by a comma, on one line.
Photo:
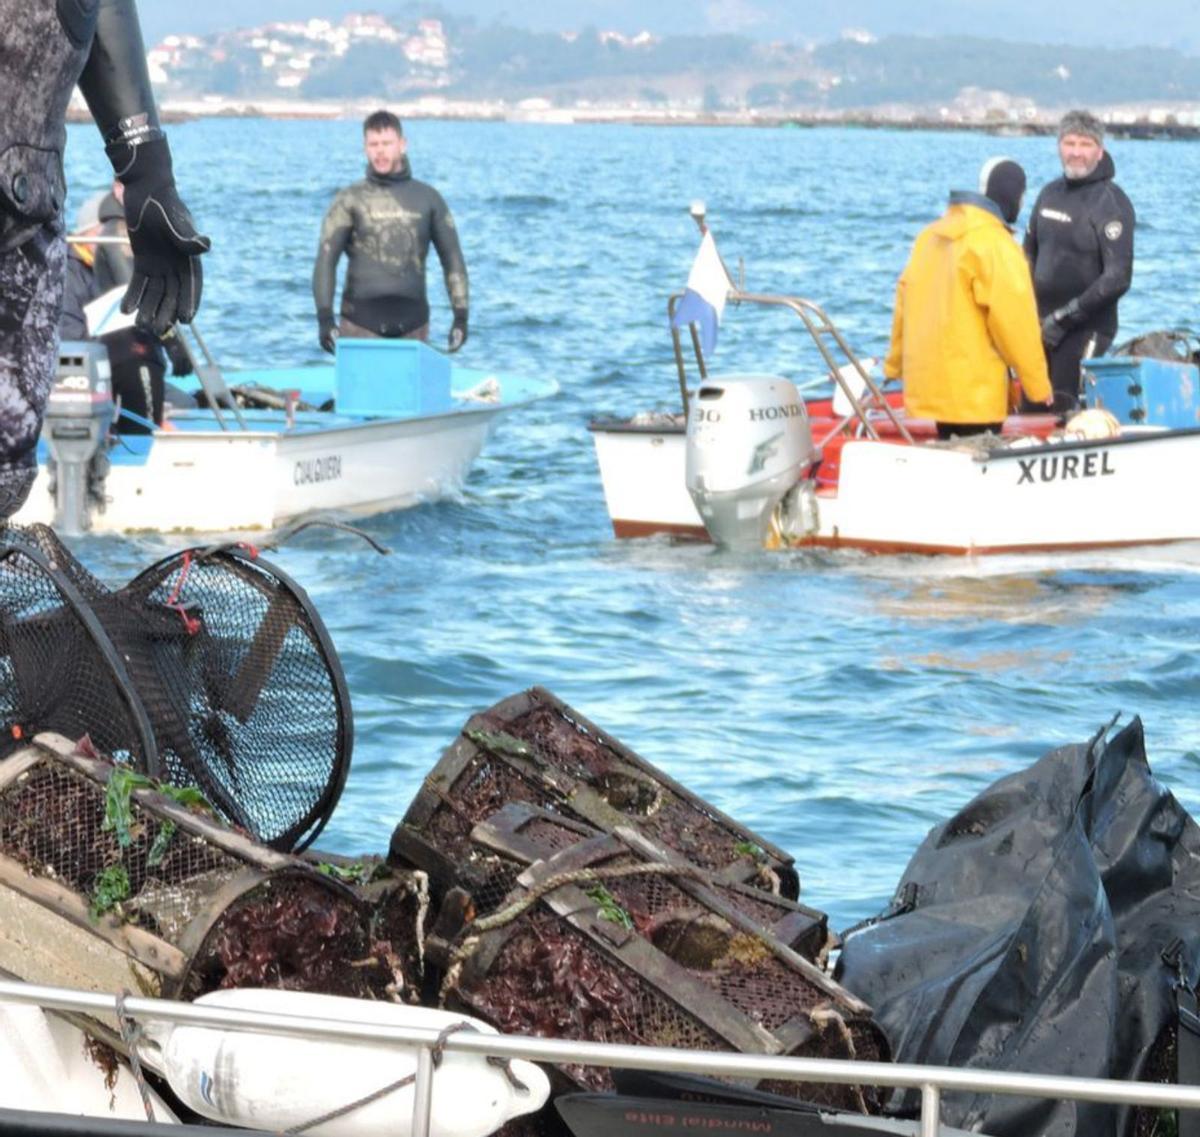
{"points": [[391, 425]]}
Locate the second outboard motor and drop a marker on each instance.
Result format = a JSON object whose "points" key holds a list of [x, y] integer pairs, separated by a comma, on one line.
{"points": [[748, 441], [79, 412]]}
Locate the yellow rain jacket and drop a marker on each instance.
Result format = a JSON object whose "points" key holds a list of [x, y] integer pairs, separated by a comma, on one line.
{"points": [[965, 313]]}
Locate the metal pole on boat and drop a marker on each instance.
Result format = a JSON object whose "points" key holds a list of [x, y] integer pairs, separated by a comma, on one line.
{"points": [[931, 1107], [423, 1093]]}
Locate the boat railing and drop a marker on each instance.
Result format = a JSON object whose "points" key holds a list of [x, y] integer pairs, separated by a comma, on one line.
{"points": [[931, 1081], [830, 343]]}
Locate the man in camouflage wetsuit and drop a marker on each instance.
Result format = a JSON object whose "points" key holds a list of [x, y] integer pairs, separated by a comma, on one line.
{"points": [[46, 48], [385, 224]]}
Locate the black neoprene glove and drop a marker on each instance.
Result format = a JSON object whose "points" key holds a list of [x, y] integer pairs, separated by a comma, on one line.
{"points": [[167, 279], [1056, 326], [327, 331], [177, 352], [458, 330]]}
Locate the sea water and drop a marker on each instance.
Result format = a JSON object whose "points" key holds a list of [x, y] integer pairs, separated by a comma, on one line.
{"points": [[839, 704]]}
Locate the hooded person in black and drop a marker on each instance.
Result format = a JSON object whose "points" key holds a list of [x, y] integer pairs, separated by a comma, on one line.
{"points": [[1080, 248]]}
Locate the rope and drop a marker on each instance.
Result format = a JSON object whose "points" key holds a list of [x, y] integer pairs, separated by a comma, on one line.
{"points": [[189, 622], [573, 876], [438, 1050], [420, 884], [825, 1016], [130, 1034]]}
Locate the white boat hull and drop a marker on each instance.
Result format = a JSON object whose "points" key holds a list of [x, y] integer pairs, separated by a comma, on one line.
{"points": [[257, 479], [48, 1068], [892, 497], [642, 472]]}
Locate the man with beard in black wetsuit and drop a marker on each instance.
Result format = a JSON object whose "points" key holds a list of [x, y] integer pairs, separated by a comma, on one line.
{"points": [[385, 225], [46, 48], [1080, 248]]}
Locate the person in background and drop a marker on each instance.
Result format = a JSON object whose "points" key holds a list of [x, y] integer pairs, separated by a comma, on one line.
{"points": [[385, 225], [965, 313], [1080, 246], [136, 356], [79, 283], [48, 49]]}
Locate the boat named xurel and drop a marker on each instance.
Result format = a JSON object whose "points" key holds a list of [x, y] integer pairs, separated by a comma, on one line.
{"points": [[753, 463], [402, 427]]}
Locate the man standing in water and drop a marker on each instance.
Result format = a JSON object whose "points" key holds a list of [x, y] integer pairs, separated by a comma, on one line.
{"points": [[965, 313], [1080, 247], [385, 224], [46, 49]]}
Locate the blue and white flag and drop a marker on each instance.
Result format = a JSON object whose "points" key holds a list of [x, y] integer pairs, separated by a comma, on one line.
{"points": [[704, 300]]}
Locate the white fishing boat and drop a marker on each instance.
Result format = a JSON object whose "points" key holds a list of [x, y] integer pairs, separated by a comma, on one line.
{"points": [[391, 425], [753, 462]]}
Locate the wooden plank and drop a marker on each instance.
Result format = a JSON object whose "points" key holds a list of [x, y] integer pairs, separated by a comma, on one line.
{"points": [[43, 947], [68, 912]]}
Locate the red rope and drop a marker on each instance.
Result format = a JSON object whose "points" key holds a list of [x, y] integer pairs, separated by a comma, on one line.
{"points": [[189, 622]]}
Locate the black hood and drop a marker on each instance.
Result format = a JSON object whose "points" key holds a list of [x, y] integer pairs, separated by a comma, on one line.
{"points": [[1105, 171], [403, 174]]}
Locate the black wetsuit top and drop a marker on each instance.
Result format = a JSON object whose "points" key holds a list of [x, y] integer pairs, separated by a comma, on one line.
{"points": [[1080, 247], [385, 225]]}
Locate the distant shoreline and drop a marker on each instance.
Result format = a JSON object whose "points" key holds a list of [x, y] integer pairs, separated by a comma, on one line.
{"points": [[185, 110]]}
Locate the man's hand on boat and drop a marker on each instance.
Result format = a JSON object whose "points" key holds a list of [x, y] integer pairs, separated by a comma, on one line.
{"points": [[167, 278], [327, 331], [458, 330]]}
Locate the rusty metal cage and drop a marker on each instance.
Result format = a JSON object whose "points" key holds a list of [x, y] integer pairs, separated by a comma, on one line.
{"points": [[520, 835], [599, 943], [533, 748], [108, 884]]}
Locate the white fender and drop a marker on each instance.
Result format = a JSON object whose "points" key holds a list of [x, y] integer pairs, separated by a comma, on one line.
{"points": [[273, 1082]]}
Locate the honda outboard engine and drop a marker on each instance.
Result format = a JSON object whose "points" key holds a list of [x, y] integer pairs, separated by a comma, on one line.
{"points": [[748, 443], [79, 412]]}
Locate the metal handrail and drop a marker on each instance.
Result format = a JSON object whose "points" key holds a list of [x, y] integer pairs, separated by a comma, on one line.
{"points": [[932, 1081], [816, 322]]}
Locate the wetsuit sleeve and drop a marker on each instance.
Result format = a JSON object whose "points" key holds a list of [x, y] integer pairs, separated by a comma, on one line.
{"points": [[1004, 289], [1031, 239], [116, 81], [335, 237], [894, 362], [444, 234], [1113, 222]]}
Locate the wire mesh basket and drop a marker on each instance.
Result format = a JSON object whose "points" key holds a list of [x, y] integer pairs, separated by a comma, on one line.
{"points": [[601, 943], [111, 882], [211, 668], [533, 748]]}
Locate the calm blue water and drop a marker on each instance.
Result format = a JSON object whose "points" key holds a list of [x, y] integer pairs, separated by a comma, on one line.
{"points": [[840, 705]]}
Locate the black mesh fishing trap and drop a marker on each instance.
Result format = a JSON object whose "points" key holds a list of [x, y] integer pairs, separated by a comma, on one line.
{"points": [[211, 668]]}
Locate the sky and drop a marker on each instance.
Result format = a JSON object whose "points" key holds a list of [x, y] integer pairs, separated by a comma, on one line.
{"points": [[1108, 23]]}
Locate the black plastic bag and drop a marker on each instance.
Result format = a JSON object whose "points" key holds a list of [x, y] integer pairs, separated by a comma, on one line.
{"points": [[1044, 928]]}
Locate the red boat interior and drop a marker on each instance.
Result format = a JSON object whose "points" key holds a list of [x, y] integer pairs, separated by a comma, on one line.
{"points": [[831, 432]]}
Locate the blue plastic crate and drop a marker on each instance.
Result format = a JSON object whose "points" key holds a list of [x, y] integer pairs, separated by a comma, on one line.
{"points": [[1144, 392], [390, 377]]}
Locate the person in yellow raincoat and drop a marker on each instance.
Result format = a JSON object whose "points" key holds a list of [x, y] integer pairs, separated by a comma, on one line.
{"points": [[966, 314]]}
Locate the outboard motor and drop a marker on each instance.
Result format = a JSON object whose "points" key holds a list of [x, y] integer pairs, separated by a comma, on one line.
{"points": [[748, 442], [79, 412]]}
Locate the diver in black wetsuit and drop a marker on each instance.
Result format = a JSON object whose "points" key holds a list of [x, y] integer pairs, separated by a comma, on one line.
{"points": [[1080, 248], [46, 48], [385, 225]]}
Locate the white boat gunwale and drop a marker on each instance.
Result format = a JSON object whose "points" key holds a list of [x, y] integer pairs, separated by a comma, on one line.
{"points": [[931, 1081]]}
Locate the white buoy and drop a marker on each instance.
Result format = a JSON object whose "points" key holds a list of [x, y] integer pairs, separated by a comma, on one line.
{"points": [[274, 1082]]}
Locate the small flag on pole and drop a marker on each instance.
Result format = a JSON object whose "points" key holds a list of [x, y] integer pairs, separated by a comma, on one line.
{"points": [[704, 300]]}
